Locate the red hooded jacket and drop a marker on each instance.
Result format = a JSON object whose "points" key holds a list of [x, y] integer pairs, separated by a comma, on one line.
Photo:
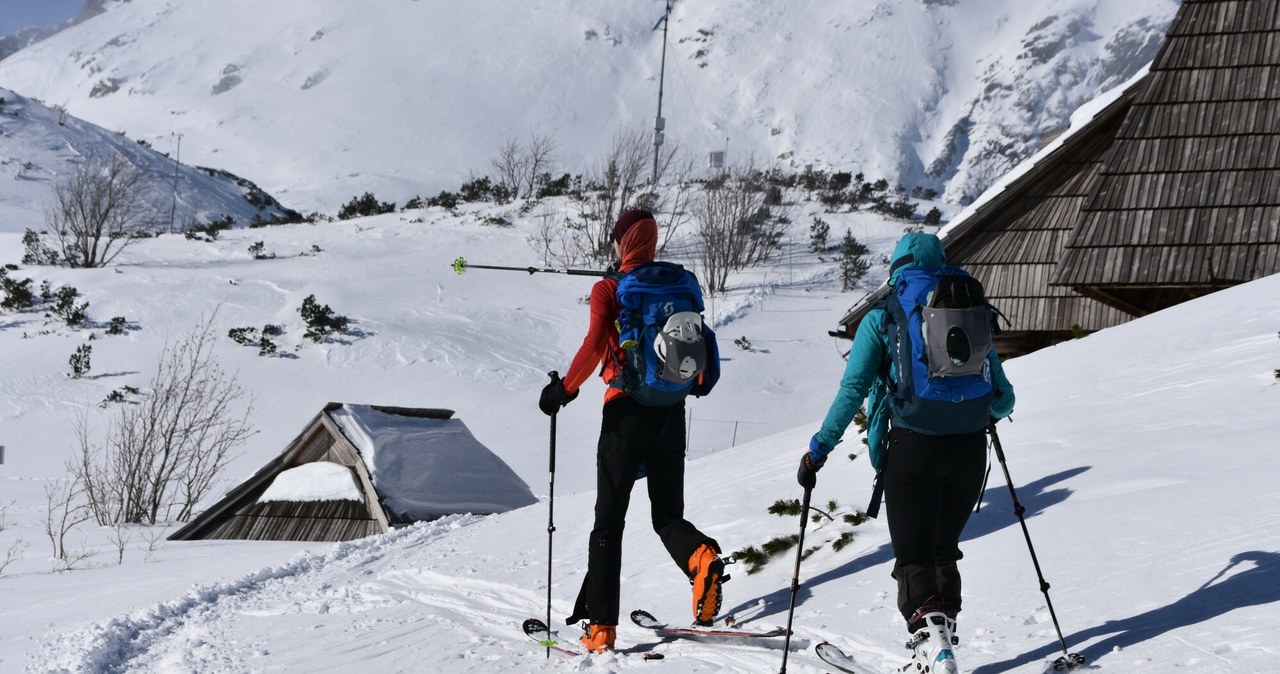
{"points": [[638, 246]]}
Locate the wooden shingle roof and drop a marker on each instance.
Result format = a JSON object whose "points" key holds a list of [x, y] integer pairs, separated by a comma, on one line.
{"points": [[1188, 199]]}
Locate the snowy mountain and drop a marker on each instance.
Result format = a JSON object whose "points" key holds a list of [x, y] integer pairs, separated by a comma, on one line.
{"points": [[1140, 452], [21, 39], [321, 101], [41, 147]]}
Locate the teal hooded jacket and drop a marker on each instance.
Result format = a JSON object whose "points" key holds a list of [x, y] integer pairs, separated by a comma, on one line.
{"points": [[862, 379]]}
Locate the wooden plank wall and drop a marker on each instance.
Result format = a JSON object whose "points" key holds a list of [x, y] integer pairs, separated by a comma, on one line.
{"points": [[1015, 249], [299, 521]]}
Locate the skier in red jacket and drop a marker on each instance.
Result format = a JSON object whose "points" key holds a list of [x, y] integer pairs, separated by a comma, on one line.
{"points": [[632, 436]]}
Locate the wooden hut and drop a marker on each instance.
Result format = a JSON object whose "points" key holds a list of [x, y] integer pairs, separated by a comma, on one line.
{"points": [[1188, 200], [1163, 191], [358, 470]]}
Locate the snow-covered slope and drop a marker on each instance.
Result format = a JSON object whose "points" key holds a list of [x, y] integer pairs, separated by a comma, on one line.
{"points": [[41, 147], [321, 101], [1142, 454]]}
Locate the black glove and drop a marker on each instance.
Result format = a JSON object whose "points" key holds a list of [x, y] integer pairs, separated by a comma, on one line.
{"points": [[553, 396], [807, 476]]}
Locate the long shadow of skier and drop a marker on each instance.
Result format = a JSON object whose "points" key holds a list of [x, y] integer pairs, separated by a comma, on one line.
{"points": [[1252, 587], [1036, 497]]}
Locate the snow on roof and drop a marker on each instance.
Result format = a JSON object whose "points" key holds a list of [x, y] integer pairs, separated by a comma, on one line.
{"points": [[425, 468], [316, 481]]}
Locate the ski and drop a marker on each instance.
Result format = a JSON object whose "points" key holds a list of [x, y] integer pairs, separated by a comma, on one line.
{"points": [[773, 638], [836, 658], [538, 631]]}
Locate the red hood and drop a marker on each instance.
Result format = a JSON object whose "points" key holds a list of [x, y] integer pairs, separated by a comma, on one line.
{"points": [[640, 244]]}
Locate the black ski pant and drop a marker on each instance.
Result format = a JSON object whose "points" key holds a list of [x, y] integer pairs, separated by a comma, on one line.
{"points": [[931, 485], [632, 434]]}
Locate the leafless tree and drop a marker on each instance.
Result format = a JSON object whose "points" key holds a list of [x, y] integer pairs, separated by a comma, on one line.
{"points": [[520, 167], [98, 210], [540, 155], [65, 509], [160, 457], [612, 186], [734, 227], [510, 165]]}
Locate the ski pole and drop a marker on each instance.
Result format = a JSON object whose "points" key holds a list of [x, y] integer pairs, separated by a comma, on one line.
{"points": [[461, 265], [551, 508], [795, 578], [1068, 660]]}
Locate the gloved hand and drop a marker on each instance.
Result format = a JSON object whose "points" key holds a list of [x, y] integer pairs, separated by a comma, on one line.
{"points": [[807, 476], [811, 463], [553, 396]]}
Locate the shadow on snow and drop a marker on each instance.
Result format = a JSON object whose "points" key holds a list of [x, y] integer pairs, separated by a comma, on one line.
{"points": [[1252, 587], [1036, 497]]}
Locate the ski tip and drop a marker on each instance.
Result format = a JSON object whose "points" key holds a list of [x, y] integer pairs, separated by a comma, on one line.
{"points": [[533, 625], [643, 618], [1068, 662]]}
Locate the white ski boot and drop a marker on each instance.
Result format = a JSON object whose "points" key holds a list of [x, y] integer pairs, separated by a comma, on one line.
{"points": [[931, 647]]}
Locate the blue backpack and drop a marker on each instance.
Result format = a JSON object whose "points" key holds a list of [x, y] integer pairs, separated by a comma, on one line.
{"points": [[939, 330], [668, 351]]}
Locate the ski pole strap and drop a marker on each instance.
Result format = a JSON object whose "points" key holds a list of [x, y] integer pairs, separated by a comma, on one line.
{"points": [[877, 493], [877, 486]]}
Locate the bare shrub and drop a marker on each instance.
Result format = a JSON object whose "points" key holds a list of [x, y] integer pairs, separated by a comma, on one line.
{"points": [[160, 457], [13, 554], [119, 536], [99, 210]]}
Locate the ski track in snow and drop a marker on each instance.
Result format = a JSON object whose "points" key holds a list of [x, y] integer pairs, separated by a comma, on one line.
{"points": [[190, 633]]}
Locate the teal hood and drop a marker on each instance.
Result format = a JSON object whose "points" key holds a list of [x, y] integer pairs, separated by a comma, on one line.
{"points": [[916, 249]]}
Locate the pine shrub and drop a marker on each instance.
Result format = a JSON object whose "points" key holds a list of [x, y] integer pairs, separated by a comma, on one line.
{"points": [[17, 294], [320, 319], [853, 261], [65, 307], [80, 361], [35, 251], [363, 205], [819, 233]]}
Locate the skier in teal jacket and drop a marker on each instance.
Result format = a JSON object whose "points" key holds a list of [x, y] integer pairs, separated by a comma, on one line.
{"points": [[932, 482]]}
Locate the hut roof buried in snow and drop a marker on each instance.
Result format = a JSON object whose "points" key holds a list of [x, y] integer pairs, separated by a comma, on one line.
{"points": [[357, 470]]}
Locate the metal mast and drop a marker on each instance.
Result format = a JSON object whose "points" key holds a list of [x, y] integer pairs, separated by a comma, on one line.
{"points": [[659, 123]]}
